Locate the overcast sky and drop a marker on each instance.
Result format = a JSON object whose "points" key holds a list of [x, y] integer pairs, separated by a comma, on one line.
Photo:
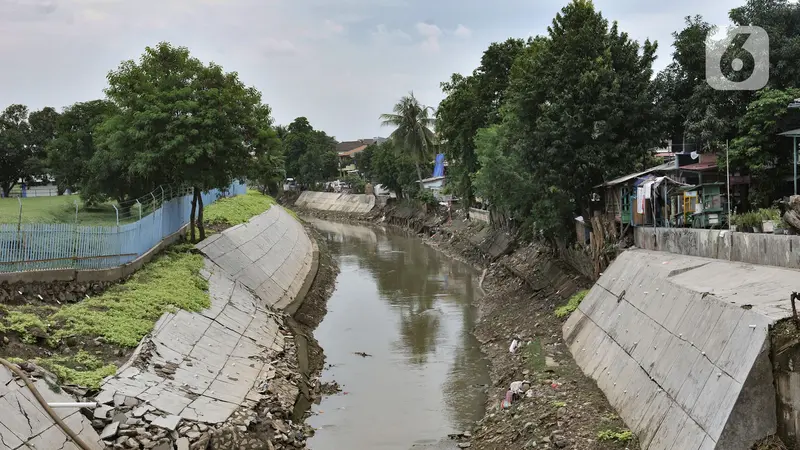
{"points": [[341, 63]]}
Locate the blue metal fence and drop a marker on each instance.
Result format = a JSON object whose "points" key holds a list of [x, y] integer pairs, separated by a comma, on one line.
{"points": [[44, 246]]}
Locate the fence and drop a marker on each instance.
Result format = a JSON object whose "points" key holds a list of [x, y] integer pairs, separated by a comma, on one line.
{"points": [[44, 246]]}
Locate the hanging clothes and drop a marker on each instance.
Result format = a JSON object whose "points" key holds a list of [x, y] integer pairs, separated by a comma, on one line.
{"points": [[648, 190], [640, 200]]}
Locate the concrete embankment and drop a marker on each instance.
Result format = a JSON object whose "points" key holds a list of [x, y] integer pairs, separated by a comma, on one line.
{"points": [[681, 346], [330, 201], [205, 378]]}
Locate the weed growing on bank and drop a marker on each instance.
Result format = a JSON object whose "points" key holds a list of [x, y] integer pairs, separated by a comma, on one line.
{"points": [[572, 304], [236, 210], [127, 312], [615, 436], [81, 369]]}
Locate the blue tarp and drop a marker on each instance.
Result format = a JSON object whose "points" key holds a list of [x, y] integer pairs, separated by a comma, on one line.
{"points": [[438, 168]]}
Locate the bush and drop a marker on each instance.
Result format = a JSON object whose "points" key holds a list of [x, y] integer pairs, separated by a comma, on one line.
{"points": [[357, 184], [571, 305], [426, 197]]}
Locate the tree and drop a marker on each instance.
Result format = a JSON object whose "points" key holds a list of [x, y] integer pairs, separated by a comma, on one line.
{"points": [[472, 103], [15, 151], [180, 121], [363, 161], [394, 170], [43, 132], [68, 155], [412, 132], [311, 155], [567, 121]]}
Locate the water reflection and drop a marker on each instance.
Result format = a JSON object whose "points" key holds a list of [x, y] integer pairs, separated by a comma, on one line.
{"points": [[410, 307]]}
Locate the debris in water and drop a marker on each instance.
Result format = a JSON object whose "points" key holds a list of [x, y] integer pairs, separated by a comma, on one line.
{"points": [[362, 354]]}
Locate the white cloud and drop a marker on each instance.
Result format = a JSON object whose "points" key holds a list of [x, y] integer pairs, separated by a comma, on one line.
{"points": [[462, 31], [383, 34], [431, 33], [272, 45]]}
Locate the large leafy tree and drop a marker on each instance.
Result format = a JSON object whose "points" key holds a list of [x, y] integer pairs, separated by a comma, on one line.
{"points": [[413, 134], [310, 154], [180, 121], [471, 103], [43, 132], [567, 122], [69, 154], [16, 156], [393, 169]]}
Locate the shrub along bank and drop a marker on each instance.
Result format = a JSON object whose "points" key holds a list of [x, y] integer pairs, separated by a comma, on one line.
{"points": [[85, 341]]}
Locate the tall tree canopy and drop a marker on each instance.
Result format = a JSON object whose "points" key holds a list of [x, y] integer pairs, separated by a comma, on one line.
{"points": [[311, 155], [471, 103], [413, 133], [179, 121], [567, 119], [16, 156]]}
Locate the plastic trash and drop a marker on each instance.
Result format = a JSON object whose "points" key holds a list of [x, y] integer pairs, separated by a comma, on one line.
{"points": [[514, 346]]}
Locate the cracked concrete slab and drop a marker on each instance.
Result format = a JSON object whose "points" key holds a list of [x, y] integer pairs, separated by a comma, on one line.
{"points": [[218, 355]]}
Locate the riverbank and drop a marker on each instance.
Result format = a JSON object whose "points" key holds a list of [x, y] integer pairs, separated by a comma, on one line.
{"points": [[180, 402], [524, 287]]}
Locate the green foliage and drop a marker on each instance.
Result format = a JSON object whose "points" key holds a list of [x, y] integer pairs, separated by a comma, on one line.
{"points": [[557, 404], [310, 154], [28, 326], [773, 214], [125, 313], [395, 171], [15, 154], [614, 436], [74, 146], [412, 134], [363, 161], [472, 103], [426, 197], [82, 369], [357, 184], [235, 210], [572, 304]]}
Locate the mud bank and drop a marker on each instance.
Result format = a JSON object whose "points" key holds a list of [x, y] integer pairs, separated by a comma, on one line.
{"points": [[523, 286]]}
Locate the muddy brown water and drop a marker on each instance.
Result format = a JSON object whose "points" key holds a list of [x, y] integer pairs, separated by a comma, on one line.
{"points": [[410, 308]]}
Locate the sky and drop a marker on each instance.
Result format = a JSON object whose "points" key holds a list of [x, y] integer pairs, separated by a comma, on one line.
{"points": [[340, 63]]}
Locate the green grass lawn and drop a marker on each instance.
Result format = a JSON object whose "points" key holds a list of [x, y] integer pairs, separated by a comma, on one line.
{"points": [[236, 210], [58, 209]]}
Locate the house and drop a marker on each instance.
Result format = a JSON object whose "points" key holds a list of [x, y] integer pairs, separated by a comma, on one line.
{"points": [[436, 182], [348, 150], [618, 198]]}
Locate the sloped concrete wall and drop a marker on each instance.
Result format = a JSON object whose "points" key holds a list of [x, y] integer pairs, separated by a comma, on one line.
{"points": [[271, 255], [329, 201], [754, 248], [680, 347]]}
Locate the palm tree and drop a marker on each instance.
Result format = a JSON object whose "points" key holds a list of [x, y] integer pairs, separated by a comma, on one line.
{"points": [[413, 132]]}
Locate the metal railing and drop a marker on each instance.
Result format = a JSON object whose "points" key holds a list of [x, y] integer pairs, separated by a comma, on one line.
{"points": [[116, 236]]}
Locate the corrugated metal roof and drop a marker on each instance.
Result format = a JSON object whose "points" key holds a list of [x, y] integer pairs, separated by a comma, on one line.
{"points": [[666, 167]]}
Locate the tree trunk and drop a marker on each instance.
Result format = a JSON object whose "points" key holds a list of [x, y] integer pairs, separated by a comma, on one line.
{"points": [[192, 215], [419, 175], [6, 187], [200, 216]]}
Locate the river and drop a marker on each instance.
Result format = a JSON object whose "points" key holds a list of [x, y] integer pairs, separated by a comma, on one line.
{"points": [[409, 307]]}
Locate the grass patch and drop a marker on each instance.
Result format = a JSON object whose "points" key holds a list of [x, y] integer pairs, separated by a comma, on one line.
{"points": [[125, 313], [614, 436], [28, 326], [559, 404], [82, 369], [60, 209], [236, 210], [535, 357], [572, 304]]}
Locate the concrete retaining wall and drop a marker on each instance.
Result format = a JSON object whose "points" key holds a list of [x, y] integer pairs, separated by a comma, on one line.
{"points": [[329, 201], [271, 255], [680, 347], [754, 248], [479, 214]]}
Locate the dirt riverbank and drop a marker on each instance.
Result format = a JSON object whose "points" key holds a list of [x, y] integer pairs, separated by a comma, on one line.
{"points": [[523, 287]]}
